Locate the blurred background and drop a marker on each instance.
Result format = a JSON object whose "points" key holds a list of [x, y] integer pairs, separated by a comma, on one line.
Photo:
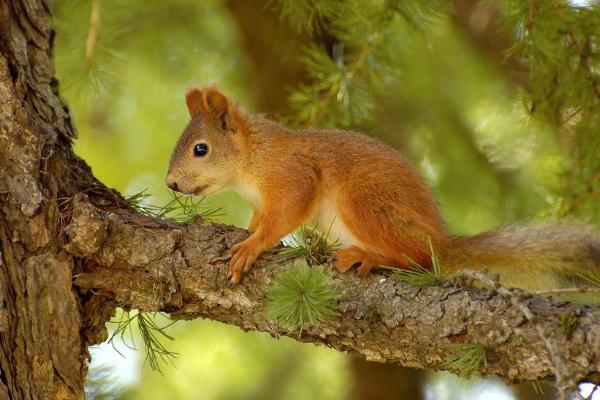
{"points": [[496, 102]]}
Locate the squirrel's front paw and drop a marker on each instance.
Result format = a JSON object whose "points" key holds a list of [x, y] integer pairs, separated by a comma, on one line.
{"points": [[242, 258]]}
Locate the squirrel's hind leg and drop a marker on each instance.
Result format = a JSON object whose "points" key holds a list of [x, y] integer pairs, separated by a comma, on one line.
{"points": [[346, 258]]}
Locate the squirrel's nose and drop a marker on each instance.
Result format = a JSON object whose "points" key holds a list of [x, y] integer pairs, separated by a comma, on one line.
{"points": [[171, 183]]}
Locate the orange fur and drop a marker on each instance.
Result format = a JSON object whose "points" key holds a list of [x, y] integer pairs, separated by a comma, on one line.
{"points": [[348, 257], [361, 190]]}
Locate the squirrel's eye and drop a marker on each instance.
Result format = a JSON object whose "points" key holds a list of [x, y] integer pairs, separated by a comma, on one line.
{"points": [[200, 149]]}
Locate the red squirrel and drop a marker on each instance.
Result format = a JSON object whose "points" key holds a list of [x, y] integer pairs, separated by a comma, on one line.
{"points": [[363, 192]]}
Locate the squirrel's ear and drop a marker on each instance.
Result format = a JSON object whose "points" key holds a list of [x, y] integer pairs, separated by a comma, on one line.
{"points": [[194, 101], [217, 104]]}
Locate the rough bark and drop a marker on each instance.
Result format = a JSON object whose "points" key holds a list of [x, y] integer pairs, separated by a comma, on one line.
{"points": [[42, 347], [71, 251], [155, 266]]}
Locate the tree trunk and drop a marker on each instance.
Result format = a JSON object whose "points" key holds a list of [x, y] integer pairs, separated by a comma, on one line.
{"points": [[43, 336], [275, 52]]}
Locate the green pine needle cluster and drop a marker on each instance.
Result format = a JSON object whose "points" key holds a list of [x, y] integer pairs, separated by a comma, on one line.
{"points": [[305, 15], [420, 276], [310, 243], [589, 279], [592, 278], [91, 54], [559, 42], [345, 80], [342, 82], [566, 324], [181, 208], [301, 296], [466, 360], [151, 334]]}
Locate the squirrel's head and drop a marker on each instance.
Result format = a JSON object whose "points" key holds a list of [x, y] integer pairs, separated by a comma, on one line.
{"points": [[206, 158]]}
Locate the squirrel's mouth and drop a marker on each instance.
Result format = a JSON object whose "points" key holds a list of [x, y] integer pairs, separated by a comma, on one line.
{"points": [[198, 191]]}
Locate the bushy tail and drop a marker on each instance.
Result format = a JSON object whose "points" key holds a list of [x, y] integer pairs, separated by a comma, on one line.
{"points": [[529, 256]]}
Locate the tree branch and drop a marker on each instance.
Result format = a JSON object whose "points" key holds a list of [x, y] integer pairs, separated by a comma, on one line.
{"points": [[153, 265], [479, 24]]}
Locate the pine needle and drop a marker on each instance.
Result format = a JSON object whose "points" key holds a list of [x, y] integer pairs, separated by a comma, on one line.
{"points": [[185, 209], [151, 334], [301, 296], [466, 360], [311, 244], [419, 276], [589, 294], [537, 387], [591, 277], [306, 15], [566, 324]]}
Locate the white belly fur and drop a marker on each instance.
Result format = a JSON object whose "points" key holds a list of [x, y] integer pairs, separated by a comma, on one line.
{"points": [[330, 223], [325, 216], [250, 193]]}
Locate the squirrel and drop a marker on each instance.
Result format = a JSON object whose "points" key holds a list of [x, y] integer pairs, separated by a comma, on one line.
{"points": [[363, 192]]}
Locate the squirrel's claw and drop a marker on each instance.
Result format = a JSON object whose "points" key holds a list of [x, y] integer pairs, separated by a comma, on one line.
{"points": [[365, 268], [242, 258], [234, 277]]}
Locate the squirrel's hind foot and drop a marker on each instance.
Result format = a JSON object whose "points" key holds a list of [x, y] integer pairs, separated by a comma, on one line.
{"points": [[346, 258]]}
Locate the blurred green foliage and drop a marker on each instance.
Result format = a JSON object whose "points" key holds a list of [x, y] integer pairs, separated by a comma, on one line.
{"points": [[128, 105], [494, 149], [218, 361]]}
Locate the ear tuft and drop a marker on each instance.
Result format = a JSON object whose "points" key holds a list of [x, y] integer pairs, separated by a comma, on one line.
{"points": [[211, 102], [193, 99], [220, 107], [215, 102]]}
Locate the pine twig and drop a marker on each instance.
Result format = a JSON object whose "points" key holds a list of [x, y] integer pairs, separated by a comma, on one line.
{"points": [[92, 37], [585, 289], [347, 77]]}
